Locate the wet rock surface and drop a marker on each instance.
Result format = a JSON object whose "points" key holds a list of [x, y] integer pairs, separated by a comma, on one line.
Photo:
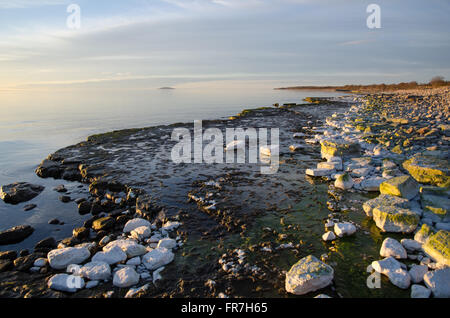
{"points": [[19, 192]]}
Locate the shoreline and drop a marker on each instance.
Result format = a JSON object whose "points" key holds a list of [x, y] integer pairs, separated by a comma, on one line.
{"points": [[104, 187]]}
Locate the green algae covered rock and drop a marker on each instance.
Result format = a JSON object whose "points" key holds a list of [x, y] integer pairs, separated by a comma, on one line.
{"points": [[436, 204], [307, 275], [423, 234], [384, 200], [395, 219], [403, 186], [438, 247], [338, 148], [429, 169]]}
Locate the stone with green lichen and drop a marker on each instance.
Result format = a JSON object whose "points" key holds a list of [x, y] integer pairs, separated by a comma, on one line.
{"points": [[403, 186], [429, 168], [384, 200], [423, 234], [397, 149], [338, 148], [395, 219], [438, 247], [438, 205], [307, 275]]}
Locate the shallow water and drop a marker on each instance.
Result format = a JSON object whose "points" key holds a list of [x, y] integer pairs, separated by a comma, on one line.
{"points": [[36, 123]]}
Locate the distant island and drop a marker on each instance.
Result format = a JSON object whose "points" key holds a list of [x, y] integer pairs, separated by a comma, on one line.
{"points": [[166, 87], [435, 82]]}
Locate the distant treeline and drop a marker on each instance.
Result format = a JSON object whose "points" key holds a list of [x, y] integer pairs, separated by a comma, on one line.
{"points": [[437, 81]]}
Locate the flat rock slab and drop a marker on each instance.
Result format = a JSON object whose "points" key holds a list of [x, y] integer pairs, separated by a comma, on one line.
{"points": [[20, 192]]}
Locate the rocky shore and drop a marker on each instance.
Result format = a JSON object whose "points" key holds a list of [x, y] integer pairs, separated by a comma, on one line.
{"points": [[158, 229]]}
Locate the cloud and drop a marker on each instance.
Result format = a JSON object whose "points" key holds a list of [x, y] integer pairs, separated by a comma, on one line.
{"points": [[20, 4]]}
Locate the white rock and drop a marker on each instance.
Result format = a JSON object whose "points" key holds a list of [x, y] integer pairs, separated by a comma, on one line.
{"points": [[92, 284], [411, 245], [125, 277], [330, 165], [96, 271], [417, 272], [319, 172], [344, 228], [40, 262], [61, 258], [130, 247], [157, 274], [343, 181], [157, 258], [170, 225], [66, 283], [135, 223], [372, 184], [439, 282], [141, 233], [113, 256], [269, 150], [394, 271], [296, 147], [328, 236], [308, 275], [419, 291], [167, 243], [134, 261], [391, 247]]}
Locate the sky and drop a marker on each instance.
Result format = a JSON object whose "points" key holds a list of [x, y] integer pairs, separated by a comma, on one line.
{"points": [[153, 43]]}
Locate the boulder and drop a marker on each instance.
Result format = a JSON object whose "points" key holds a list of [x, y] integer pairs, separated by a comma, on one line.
{"points": [[157, 258], [419, 291], [103, 224], [130, 247], [344, 229], [307, 275], [438, 247], [411, 245], [439, 282], [96, 271], [167, 243], [394, 271], [114, 255], [125, 277], [66, 283], [423, 234], [343, 181], [20, 192], [141, 233], [329, 236], [417, 272], [372, 184], [384, 200], [15, 235], [437, 204], [403, 186], [429, 169], [393, 219], [391, 247], [333, 148], [61, 258], [135, 223]]}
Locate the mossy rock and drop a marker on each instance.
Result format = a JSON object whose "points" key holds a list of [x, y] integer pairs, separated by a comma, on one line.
{"points": [[395, 219], [384, 200], [423, 233], [403, 186], [436, 204], [429, 169], [103, 223], [338, 149], [438, 247]]}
